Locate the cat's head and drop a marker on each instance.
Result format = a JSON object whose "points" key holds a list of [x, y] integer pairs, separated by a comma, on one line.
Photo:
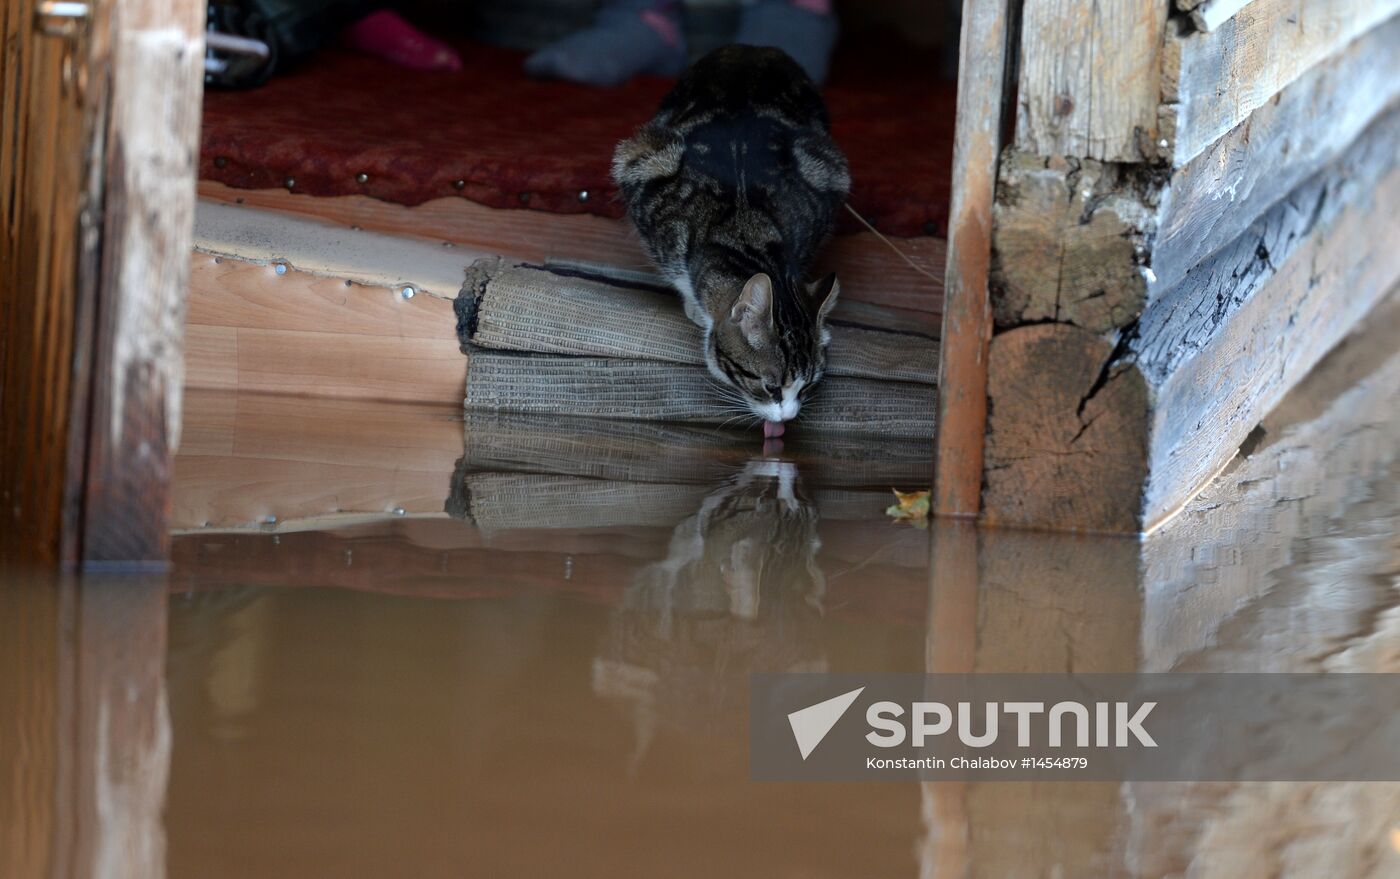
{"points": [[771, 345]]}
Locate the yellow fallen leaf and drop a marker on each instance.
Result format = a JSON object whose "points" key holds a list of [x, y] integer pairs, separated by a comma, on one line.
{"points": [[912, 507], [1395, 838]]}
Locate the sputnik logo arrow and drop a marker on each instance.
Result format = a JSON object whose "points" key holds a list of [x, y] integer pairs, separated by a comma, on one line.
{"points": [[811, 724]]}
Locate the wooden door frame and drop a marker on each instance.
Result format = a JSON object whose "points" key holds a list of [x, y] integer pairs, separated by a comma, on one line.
{"points": [[93, 353]]}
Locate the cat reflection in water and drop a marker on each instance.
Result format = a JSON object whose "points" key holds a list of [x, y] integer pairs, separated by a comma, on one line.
{"points": [[739, 591]]}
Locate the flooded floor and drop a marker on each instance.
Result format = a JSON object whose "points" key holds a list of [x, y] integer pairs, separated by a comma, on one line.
{"points": [[394, 644]]}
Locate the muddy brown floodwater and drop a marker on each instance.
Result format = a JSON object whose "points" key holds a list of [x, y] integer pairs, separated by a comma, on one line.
{"points": [[396, 645]]}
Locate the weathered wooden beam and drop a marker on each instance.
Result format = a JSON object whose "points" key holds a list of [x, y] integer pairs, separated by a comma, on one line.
{"points": [[1345, 242], [150, 147], [1092, 243], [1209, 15], [1066, 440], [1104, 433], [985, 61], [1090, 79], [1071, 236], [46, 195], [1044, 601], [1211, 82], [1194, 596], [1322, 451], [100, 123], [1214, 197]]}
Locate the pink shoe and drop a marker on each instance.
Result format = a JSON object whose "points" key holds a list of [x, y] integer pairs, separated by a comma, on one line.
{"points": [[387, 35]]}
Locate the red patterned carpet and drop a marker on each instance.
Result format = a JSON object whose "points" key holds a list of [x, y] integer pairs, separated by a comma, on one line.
{"points": [[520, 143]]}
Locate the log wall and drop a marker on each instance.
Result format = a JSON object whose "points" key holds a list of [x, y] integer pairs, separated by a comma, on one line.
{"points": [[1167, 262]]}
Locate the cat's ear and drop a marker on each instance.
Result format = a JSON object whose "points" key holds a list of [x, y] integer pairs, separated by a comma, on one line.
{"points": [[753, 310], [825, 292]]}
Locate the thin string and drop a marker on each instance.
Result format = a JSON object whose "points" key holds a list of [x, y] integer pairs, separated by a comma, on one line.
{"points": [[925, 272]]}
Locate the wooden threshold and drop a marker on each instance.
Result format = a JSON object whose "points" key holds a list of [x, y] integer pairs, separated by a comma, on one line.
{"points": [[251, 328], [294, 305], [869, 270]]}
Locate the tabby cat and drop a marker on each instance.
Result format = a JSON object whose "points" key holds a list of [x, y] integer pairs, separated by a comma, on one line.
{"points": [[734, 187]]}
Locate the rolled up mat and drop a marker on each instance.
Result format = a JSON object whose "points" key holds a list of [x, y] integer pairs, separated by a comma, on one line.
{"points": [[507, 501], [599, 387], [649, 451], [603, 448], [523, 308]]}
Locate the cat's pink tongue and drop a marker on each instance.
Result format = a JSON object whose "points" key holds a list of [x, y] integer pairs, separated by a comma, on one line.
{"points": [[773, 429]]}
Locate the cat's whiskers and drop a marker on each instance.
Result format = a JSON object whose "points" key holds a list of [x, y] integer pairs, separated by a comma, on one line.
{"points": [[727, 393], [725, 424], [731, 401]]}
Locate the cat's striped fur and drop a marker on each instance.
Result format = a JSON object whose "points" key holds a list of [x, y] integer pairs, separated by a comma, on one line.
{"points": [[734, 187]]}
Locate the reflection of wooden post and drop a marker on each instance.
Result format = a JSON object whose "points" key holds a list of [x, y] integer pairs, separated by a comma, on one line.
{"points": [[1026, 602], [84, 735], [986, 44], [29, 738], [1052, 603], [123, 729], [951, 648]]}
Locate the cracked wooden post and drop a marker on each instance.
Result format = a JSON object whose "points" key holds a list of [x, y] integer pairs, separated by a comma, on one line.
{"points": [[1180, 233], [1064, 421], [1070, 237]]}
